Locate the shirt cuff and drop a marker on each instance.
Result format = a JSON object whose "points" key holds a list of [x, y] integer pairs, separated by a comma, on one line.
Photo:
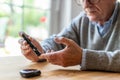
{"points": [[83, 62]]}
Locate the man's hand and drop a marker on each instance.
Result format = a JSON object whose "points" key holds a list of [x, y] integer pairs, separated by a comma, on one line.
{"points": [[27, 50], [71, 55]]}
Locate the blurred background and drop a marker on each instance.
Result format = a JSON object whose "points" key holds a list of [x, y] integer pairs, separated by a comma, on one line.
{"points": [[38, 18]]}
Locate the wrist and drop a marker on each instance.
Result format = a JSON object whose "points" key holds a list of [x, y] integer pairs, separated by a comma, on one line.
{"points": [[41, 59]]}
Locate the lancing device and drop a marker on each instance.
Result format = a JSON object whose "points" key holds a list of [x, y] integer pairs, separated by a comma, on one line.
{"points": [[22, 34], [28, 73]]}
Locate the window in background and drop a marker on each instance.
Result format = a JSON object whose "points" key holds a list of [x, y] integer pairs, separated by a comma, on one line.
{"points": [[31, 16]]}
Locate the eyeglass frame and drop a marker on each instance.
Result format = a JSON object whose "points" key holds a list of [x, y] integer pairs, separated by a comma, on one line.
{"points": [[79, 2]]}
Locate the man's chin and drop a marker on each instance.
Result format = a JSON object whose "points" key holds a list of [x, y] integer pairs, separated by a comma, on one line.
{"points": [[91, 18]]}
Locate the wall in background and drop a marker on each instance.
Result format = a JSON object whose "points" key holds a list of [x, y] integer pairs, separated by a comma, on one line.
{"points": [[75, 9], [62, 12]]}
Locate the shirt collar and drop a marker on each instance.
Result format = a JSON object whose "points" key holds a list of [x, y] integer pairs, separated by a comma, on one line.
{"points": [[111, 18]]}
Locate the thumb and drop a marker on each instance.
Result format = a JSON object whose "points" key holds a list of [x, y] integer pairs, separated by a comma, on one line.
{"points": [[49, 56], [46, 55], [43, 56], [63, 40]]}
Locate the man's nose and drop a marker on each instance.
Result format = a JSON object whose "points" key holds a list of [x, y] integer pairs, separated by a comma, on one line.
{"points": [[86, 3]]}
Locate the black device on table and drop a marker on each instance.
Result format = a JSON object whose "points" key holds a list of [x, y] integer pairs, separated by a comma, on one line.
{"points": [[28, 73]]}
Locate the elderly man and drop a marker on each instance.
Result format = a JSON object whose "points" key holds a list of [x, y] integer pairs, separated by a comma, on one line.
{"points": [[92, 40]]}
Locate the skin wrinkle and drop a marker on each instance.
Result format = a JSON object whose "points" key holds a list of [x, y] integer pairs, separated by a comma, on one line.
{"points": [[99, 12]]}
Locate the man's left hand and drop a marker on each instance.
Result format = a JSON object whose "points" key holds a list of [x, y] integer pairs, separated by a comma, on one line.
{"points": [[69, 56]]}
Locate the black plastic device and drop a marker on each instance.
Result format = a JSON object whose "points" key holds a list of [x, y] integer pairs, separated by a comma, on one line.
{"points": [[28, 73], [30, 43], [23, 34]]}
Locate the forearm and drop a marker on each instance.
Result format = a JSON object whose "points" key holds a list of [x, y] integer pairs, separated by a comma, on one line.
{"points": [[100, 60], [50, 44], [69, 32]]}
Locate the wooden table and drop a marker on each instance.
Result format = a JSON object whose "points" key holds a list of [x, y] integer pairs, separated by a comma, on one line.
{"points": [[10, 67]]}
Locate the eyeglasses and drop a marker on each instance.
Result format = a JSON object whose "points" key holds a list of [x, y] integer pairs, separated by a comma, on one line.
{"points": [[90, 1]]}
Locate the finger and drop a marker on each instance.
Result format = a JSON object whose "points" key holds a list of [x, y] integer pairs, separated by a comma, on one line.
{"points": [[48, 51], [52, 58], [34, 41], [20, 41], [63, 40], [36, 44], [21, 33], [52, 51], [29, 54], [44, 56], [25, 47], [26, 51]]}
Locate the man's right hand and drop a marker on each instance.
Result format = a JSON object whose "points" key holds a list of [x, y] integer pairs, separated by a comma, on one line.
{"points": [[27, 51]]}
